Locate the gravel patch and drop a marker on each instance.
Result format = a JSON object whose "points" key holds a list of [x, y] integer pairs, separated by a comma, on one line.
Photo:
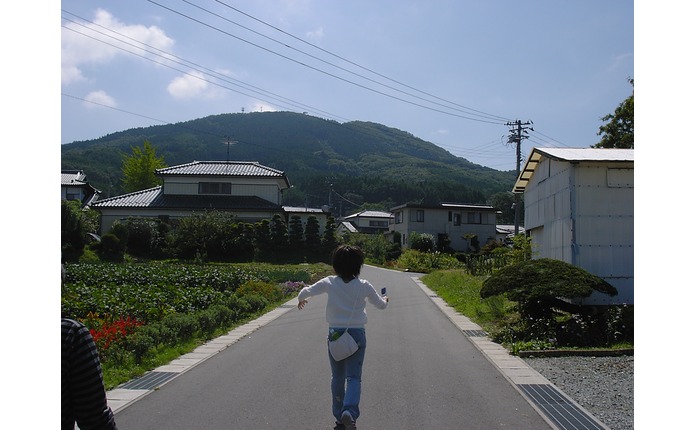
{"points": [[604, 386]]}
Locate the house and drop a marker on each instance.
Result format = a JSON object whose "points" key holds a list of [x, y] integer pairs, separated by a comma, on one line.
{"points": [[344, 227], [74, 186], [505, 232], [455, 222], [249, 190], [370, 221], [579, 208], [304, 213]]}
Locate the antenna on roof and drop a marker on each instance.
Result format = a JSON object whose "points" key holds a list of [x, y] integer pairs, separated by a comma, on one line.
{"points": [[229, 143]]}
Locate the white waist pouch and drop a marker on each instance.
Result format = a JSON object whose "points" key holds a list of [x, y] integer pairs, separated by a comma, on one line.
{"points": [[343, 347]]}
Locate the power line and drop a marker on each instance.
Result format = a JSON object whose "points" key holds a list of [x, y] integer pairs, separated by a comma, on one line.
{"points": [[174, 59], [319, 70], [475, 111]]}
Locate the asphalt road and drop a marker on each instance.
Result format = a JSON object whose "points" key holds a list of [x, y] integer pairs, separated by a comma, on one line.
{"points": [[420, 372]]}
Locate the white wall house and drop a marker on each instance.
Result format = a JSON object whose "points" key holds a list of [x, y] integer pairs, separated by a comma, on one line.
{"points": [[74, 186], [370, 221], [304, 213], [579, 208], [249, 190], [453, 220]]}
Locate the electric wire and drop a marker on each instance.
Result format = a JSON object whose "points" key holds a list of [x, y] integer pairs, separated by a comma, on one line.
{"points": [[358, 65], [476, 112], [202, 69], [320, 70], [206, 71]]}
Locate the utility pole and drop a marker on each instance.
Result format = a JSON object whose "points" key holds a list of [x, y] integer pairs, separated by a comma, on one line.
{"points": [[519, 132]]}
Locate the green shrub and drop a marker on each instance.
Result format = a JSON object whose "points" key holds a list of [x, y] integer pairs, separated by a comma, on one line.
{"points": [[206, 322], [256, 303], [269, 291], [182, 326], [110, 248], [426, 262], [140, 344], [222, 315]]}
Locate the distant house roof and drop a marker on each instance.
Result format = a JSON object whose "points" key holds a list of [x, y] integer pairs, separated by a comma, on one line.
{"points": [[222, 168], [445, 206], [155, 198], [370, 214], [508, 229], [72, 177], [346, 226], [302, 209], [571, 155], [77, 178]]}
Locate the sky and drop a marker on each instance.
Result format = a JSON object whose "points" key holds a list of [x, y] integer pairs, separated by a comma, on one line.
{"points": [[451, 72]]}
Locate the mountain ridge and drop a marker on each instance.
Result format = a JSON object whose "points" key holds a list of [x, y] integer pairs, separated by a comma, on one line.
{"points": [[373, 163]]}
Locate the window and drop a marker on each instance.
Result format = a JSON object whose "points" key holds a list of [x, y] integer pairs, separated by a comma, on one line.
{"points": [[474, 218], [419, 215], [373, 223], [398, 217], [457, 219], [214, 188]]}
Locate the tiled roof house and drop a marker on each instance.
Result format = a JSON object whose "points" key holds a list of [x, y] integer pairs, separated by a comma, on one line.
{"points": [[248, 189], [74, 186]]}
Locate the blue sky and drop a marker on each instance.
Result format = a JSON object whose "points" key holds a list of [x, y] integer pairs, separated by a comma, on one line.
{"points": [[452, 72]]}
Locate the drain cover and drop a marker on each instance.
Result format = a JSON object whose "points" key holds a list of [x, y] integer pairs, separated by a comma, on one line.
{"points": [[149, 381], [558, 408], [474, 333]]}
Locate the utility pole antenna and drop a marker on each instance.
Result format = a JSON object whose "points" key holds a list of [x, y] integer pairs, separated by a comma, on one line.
{"points": [[229, 143], [519, 132]]}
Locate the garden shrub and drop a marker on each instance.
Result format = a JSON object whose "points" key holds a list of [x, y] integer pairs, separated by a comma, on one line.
{"points": [[256, 303], [426, 262], [110, 248], [422, 242], [206, 322], [139, 344], [222, 315], [269, 291], [182, 326]]}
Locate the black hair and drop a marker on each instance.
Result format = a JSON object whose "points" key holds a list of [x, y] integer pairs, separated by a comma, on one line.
{"points": [[348, 261]]}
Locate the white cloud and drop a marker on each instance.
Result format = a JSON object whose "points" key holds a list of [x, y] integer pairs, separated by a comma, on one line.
{"points": [[99, 98], [189, 86], [98, 42], [262, 107]]}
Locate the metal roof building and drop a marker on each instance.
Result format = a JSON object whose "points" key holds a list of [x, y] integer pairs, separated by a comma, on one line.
{"points": [[579, 208]]}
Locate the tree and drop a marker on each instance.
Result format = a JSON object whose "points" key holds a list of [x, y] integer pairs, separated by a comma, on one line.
{"points": [[313, 237], [329, 241], [72, 231], [296, 233], [539, 288], [619, 131], [139, 168], [279, 236]]}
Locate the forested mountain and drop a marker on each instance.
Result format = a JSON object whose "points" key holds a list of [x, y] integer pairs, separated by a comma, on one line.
{"points": [[364, 164]]}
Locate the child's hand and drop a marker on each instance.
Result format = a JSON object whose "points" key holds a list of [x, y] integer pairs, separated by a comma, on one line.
{"points": [[301, 304]]}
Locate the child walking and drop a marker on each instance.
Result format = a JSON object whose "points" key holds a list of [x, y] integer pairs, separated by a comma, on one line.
{"points": [[345, 311]]}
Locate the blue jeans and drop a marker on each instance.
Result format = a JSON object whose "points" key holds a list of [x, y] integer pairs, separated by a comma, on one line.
{"points": [[346, 377]]}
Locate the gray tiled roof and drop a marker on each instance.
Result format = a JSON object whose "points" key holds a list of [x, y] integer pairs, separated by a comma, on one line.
{"points": [[155, 198], [221, 168], [72, 177]]}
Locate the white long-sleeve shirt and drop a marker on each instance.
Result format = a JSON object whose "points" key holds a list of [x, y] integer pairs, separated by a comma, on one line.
{"points": [[346, 301]]}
